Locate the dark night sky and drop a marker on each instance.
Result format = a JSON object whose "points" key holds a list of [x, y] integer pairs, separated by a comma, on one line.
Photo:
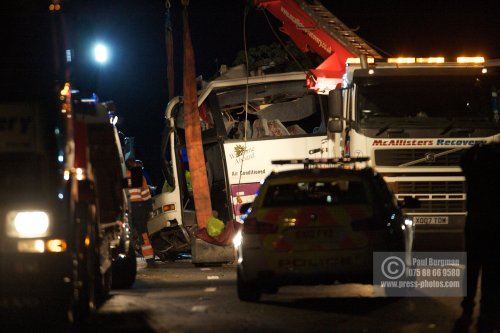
{"points": [[135, 78]]}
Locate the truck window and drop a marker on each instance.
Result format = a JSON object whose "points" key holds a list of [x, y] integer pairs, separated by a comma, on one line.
{"points": [[433, 101]]}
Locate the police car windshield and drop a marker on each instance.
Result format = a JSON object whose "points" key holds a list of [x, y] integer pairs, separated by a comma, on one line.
{"points": [[331, 192]]}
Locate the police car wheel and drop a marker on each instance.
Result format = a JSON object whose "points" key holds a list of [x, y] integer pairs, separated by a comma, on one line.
{"points": [[248, 291], [271, 289]]}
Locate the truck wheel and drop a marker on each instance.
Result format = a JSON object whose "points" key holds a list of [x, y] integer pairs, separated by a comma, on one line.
{"points": [[103, 281], [125, 269], [83, 300], [78, 309], [135, 242], [100, 250], [248, 291]]}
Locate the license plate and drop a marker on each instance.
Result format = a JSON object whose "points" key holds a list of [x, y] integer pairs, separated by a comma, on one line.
{"points": [[430, 219]]}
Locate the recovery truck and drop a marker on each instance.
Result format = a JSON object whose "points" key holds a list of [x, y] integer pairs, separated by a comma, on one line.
{"points": [[413, 117], [64, 235]]}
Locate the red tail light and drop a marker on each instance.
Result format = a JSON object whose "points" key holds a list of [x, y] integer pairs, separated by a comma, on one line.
{"points": [[253, 226]]}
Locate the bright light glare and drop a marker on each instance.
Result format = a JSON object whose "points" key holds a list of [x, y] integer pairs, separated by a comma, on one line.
{"points": [[39, 246], [237, 239], [31, 246], [56, 245], [101, 53], [28, 224], [358, 60], [401, 60], [431, 60], [473, 60], [79, 174]]}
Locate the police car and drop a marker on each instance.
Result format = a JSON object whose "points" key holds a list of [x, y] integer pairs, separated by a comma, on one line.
{"points": [[318, 225]]}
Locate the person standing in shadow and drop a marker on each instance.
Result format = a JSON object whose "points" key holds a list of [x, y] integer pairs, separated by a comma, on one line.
{"points": [[481, 167]]}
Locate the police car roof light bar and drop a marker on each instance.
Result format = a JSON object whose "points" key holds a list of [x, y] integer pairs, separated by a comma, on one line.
{"points": [[323, 161]]}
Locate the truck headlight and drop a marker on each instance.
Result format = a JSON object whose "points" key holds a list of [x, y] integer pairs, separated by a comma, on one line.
{"points": [[27, 224]]}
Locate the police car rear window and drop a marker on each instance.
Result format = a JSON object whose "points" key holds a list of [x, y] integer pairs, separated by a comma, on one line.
{"points": [[338, 192]]}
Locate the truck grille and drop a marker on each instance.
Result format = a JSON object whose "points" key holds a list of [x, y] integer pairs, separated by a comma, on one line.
{"points": [[457, 187], [444, 196], [429, 157]]}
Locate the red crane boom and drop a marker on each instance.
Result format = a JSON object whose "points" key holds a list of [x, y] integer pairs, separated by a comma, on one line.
{"points": [[315, 29]]}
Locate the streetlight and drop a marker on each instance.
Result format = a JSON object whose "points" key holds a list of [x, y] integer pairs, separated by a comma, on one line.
{"points": [[101, 53], [101, 57]]}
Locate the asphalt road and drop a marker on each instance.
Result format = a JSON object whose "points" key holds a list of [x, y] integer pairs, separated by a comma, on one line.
{"points": [[178, 297]]}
